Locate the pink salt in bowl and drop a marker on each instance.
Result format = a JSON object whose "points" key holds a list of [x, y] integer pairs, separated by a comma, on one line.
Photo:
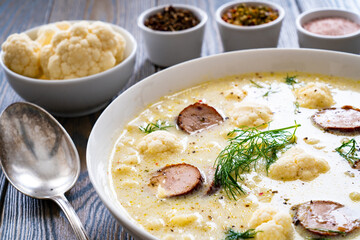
{"points": [[349, 42]]}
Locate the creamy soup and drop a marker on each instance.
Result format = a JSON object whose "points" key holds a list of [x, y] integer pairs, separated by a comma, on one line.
{"points": [[252, 100]]}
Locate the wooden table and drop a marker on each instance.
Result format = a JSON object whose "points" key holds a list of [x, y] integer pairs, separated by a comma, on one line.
{"points": [[25, 218]]}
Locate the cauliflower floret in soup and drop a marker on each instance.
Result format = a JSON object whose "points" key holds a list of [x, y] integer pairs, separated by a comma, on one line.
{"points": [[271, 224], [159, 142], [314, 95], [250, 114], [297, 164], [235, 93]]}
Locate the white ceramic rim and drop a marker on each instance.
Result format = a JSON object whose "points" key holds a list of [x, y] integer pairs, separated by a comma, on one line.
{"points": [[225, 6], [195, 10], [124, 219], [100, 74], [330, 10]]}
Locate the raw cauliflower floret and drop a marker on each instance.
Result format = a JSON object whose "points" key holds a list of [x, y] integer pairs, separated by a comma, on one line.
{"points": [[159, 142], [47, 32], [315, 96], [21, 55], [250, 114], [271, 224], [297, 164], [82, 50]]}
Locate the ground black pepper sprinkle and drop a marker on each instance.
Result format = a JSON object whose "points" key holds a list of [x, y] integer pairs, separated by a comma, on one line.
{"points": [[172, 19]]}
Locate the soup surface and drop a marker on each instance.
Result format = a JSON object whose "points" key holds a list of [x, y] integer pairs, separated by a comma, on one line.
{"points": [[136, 156]]}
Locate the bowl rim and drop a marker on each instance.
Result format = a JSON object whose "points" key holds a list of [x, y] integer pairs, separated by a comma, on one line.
{"points": [[196, 10], [225, 6], [331, 11], [90, 77], [125, 220]]}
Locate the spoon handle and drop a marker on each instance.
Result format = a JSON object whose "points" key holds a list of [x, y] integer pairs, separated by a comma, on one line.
{"points": [[71, 216]]}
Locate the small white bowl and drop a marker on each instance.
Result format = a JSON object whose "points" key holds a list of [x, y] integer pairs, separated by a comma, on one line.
{"points": [[236, 37], [169, 48], [78, 96], [346, 43]]}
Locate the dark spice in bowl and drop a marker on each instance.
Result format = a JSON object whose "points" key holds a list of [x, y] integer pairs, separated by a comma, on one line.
{"points": [[172, 19], [250, 15]]}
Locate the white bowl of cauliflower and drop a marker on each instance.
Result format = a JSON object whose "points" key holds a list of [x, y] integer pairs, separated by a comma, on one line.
{"points": [[69, 68]]}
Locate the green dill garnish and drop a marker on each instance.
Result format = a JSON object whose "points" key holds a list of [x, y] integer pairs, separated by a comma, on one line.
{"points": [[349, 150], [327, 230], [317, 238], [233, 235], [256, 84], [269, 91], [290, 80], [297, 107], [152, 127], [266, 94], [245, 150]]}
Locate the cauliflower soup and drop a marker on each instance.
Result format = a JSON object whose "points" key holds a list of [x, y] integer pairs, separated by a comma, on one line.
{"points": [[170, 165]]}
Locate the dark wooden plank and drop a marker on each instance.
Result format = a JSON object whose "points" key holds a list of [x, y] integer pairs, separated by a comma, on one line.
{"points": [[23, 217], [351, 5], [15, 16], [127, 13]]}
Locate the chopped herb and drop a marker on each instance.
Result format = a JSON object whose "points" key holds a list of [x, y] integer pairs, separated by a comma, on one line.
{"points": [[256, 84], [269, 92], [233, 235], [245, 150], [327, 230], [297, 107], [350, 151], [260, 86], [152, 127], [290, 80], [315, 238]]}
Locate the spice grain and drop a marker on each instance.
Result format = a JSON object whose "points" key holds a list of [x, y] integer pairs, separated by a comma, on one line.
{"points": [[172, 19], [246, 15]]}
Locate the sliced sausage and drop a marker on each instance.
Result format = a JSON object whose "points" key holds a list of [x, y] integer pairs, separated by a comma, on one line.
{"points": [[177, 179], [345, 119], [198, 116], [357, 165], [326, 218]]}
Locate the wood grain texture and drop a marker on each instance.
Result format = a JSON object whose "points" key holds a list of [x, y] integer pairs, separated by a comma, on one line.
{"points": [[26, 218]]}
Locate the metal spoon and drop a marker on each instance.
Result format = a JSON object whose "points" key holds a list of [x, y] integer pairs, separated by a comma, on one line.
{"points": [[38, 157]]}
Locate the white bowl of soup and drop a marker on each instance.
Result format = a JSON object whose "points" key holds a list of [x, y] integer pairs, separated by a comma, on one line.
{"points": [[277, 90]]}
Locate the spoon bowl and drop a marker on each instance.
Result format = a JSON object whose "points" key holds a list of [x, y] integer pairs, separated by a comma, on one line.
{"points": [[38, 157]]}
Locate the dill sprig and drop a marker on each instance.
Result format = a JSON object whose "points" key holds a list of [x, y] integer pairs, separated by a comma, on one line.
{"points": [[296, 107], [245, 150], [328, 230], [152, 127], [256, 84], [233, 235], [350, 151], [290, 80], [317, 238], [270, 90]]}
